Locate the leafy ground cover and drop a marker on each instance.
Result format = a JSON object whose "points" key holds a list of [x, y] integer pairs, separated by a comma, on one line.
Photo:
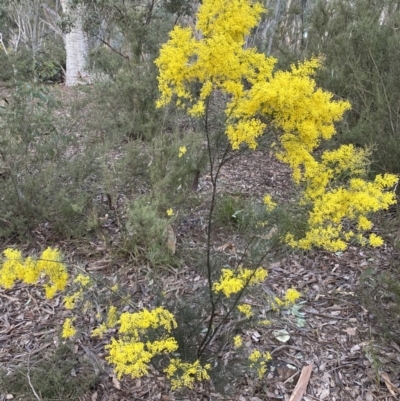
{"points": [[330, 329]]}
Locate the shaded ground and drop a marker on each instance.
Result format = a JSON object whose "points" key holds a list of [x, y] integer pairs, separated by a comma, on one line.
{"points": [[338, 336]]}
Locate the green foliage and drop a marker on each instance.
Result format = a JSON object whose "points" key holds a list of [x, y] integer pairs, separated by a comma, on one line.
{"points": [[131, 29], [249, 217], [49, 63], [147, 232], [272, 226], [176, 160], [173, 164], [42, 180], [124, 103], [23, 65], [6, 68], [361, 46], [380, 294], [179, 7], [129, 36], [230, 211], [59, 385], [105, 63]]}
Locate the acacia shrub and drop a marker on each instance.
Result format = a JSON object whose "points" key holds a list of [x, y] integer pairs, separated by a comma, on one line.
{"points": [[360, 44], [304, 116], [361, 50]]}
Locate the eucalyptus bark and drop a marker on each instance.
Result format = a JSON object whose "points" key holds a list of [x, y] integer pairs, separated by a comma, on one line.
{"points": [[76, 46]]}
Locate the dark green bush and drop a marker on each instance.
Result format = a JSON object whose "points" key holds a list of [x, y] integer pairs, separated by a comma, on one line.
{"points": [[47, 175], [379, 292], [362, 53], [59, 385]]}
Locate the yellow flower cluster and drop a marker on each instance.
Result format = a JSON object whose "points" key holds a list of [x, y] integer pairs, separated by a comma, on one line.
{"points": [[246, 310], [237, 341], [233, 281], [70, 300], [68, 330], [353, 201], [259, 361], [29, 271], [82, 280], [112, 320], [184, 374], [269, 203], [289, 299], [112, 317], [213, 53], [130, 354], [291, 296], [100, 330], [277, 303], [215, 57], [335, 192], [182, 151]]}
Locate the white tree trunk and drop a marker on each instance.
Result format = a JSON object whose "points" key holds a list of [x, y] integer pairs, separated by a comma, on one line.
{"points": [[76, 47]]}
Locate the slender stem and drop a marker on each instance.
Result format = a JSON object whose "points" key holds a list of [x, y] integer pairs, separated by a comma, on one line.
{"points": [[209, 226], [214, 181], [214, 190], [28, 375], [115, 292], [125, 56], [214, 174], [389, 107], [206, 340], [208, 337]]}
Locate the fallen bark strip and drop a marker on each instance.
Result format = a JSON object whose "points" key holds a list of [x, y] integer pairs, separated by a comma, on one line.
{"points": [[302, 384]]}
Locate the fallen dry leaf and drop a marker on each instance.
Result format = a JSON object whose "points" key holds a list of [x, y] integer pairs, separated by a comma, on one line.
{"points": [[369, 397], [391, 387], [228, 246], [171, 239], [394, 345], [325, 393], [281, 335], [104, 263], [116, 383], [351, 331]]}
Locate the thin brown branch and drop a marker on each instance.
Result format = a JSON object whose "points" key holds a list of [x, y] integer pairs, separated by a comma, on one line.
{"points": [[28, 376], [384, 92], [126, 57]]}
